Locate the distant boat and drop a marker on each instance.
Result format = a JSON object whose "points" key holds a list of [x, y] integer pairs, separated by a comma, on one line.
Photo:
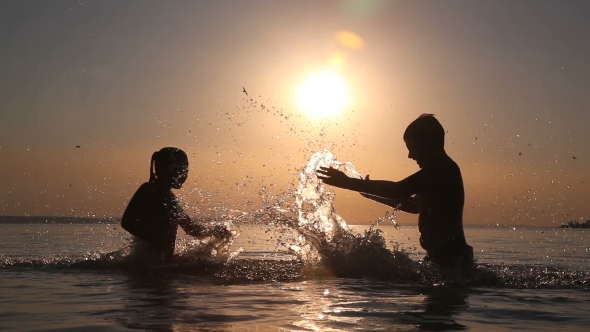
{"points": [[575, 224]]}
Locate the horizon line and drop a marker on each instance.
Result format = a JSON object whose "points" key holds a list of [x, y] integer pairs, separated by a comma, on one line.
{"points": [[4, 220]]}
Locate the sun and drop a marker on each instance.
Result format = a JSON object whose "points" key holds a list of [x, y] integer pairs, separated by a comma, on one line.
{"points": [[323, 94]]}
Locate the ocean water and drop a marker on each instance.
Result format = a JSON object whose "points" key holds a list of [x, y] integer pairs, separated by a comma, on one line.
{"points": [[43, 289], [293, 266]]}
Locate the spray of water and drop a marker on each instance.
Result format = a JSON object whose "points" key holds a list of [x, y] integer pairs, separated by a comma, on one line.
{"points": [[309, 227], [317, 220], [326, 242]]}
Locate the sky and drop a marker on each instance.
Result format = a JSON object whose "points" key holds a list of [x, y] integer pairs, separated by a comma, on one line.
{"points": [[121, 79]]}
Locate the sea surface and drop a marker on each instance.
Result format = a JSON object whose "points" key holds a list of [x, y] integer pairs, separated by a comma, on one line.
{"points": [[65, 277], [293, 265]]}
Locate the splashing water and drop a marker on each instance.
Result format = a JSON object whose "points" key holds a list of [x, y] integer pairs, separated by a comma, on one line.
{"points": [[328, 244], [322, 242], [317, 219], [309, 227], [326, 241], [389, 216]]}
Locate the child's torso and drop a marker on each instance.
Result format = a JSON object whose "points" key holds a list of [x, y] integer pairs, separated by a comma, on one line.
{"points": [[441, 205], [160, 210]]}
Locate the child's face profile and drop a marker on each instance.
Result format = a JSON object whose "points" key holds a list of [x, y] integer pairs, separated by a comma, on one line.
{"points": [[422, 152], [174, 175], [414, 152]]}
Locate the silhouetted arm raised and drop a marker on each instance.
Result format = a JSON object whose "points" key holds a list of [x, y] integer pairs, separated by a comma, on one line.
{"points": [[381, 188], [408, 204]]}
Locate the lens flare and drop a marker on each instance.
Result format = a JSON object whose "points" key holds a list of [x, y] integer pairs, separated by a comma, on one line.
{"points": [[350, 40]]}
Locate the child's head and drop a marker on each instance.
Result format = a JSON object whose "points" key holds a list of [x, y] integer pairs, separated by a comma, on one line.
{"points": [[425, 138], [169, 166]]}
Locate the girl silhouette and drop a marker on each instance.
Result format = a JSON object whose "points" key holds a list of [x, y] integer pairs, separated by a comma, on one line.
{"points": [[154, 212]]}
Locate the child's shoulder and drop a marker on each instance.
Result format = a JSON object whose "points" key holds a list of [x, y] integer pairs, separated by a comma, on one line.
{"points": [[453, 163], [146, 188], [443, 168], [442, 162]]}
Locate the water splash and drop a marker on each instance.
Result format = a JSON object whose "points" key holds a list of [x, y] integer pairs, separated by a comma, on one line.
{"points": [[389, 216], [317, 220], [322, 244], [326, 243]]}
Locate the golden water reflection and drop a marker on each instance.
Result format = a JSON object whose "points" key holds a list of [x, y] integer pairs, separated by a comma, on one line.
{"points": [[336, 305]]}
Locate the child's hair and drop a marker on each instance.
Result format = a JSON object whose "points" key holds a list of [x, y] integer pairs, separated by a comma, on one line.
{"points": [[426, 130], [166, 157]]}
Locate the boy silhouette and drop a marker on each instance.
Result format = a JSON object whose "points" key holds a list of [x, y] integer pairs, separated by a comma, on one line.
{"points": [[435, 192]]}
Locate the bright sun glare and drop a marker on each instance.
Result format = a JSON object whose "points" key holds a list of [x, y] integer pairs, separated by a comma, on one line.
{"points": [[323, 94]]}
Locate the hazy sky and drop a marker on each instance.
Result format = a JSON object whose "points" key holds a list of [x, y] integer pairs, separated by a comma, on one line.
{"points": [[509, 80]]}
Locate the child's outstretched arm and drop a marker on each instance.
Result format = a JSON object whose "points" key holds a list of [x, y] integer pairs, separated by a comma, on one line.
{"points": [[407, 204], [198, 230], [385, 189]]}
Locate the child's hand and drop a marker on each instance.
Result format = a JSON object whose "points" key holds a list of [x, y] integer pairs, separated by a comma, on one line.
{"points": [[221, 232], [331, 176]]}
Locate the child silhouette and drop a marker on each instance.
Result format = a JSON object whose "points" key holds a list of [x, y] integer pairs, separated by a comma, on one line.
{"points": [[435, 192], [154, 212]]}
